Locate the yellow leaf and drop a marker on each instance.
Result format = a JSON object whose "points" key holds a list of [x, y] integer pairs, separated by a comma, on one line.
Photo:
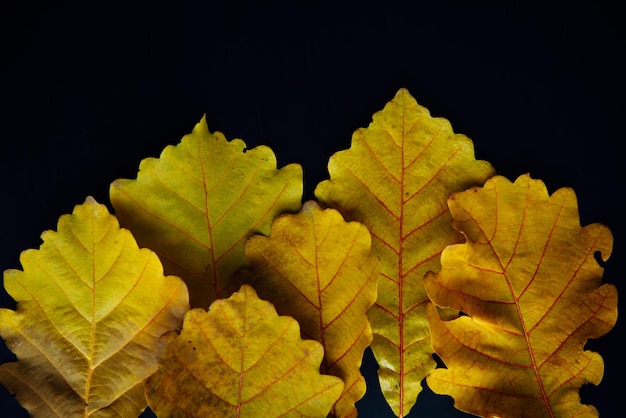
{"points": [[530, 285], [240, 359], [196, 205], [318, 269], [395, 179], [91, 307]]}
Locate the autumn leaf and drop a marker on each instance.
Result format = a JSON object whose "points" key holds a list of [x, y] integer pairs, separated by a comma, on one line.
{"points": [[531, 288], [240, 359], [395, 179], [318, 269], [91, 307], [196, 205]]}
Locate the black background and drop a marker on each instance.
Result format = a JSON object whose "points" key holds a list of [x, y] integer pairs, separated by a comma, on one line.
{"points": [[88, 91]]}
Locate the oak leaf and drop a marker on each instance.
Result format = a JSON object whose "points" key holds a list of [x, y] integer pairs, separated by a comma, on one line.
{"points": [[240, 359], [318, 269], [91, 307], [531, 288], [196, 205], [395, 179]]}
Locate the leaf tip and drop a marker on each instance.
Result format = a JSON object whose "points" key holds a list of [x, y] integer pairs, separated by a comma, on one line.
{"points": [[90, 200], [201, 128]]}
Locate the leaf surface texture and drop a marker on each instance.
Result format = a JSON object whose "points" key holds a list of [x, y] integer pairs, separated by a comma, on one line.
{"points": [[91, 307], [196, 205], [531, 288], [396, 178], [318, 269], [240, 359]]}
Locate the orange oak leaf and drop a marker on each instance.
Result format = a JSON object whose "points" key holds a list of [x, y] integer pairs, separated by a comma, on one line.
{"points": [[196, 205], [91, 307], [396, 178], [240, 359], [318, 269], [531, 288]]}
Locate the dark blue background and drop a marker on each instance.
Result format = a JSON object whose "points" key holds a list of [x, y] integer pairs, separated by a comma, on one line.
{"points": [[88, 91]]}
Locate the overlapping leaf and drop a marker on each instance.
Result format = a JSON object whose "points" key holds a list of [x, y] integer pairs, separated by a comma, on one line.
{"points": [[395, 179], [530, 285], [91, 307], [196, 205], [318, 268], [240, 359]]}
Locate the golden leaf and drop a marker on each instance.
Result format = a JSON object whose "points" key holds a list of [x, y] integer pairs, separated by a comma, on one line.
{"points": [[530, 285], [395, 179], [240, 359], [318, 269], [196, 205], [91, 307]]}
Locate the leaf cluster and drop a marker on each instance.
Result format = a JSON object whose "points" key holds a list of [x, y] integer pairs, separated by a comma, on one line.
{"points": [[214, 291]]}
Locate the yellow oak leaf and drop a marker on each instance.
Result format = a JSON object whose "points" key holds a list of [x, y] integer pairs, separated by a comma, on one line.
{"points": [[396, 178], [240, 359], [196, 205], [91, 307], [531, 287], [318, 269]]}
